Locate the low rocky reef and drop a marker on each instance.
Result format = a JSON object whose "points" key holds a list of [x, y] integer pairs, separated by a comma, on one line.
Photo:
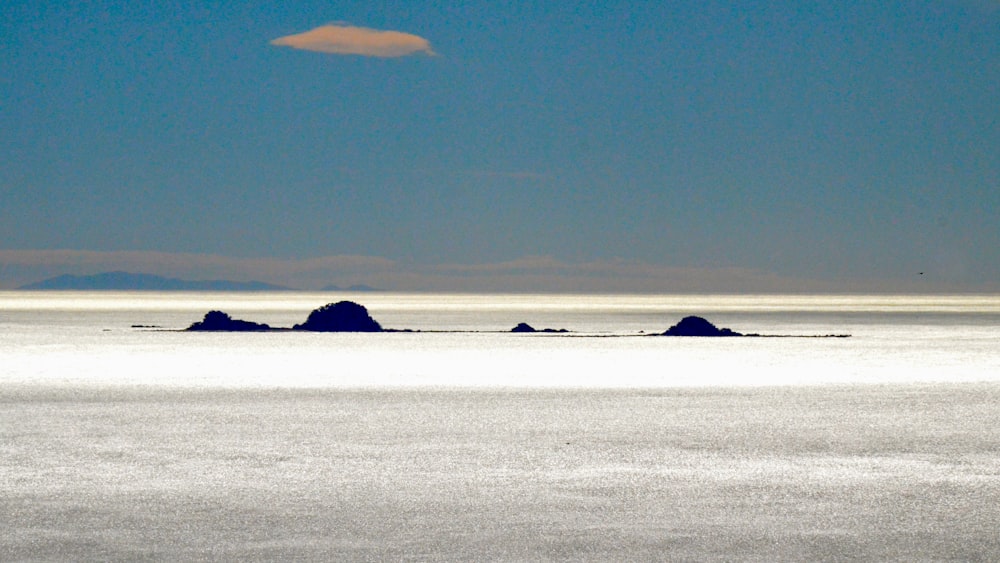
{"points": [[697, 326], [525, 327], [347, 316], [343, 316], [688, 326], [217, 321]]}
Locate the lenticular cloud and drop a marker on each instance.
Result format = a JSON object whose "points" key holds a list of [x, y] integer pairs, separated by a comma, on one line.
{"points": [[350, 40]]}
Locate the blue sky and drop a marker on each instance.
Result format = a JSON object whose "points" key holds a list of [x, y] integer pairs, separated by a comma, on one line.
{"points": [[750, 145]]}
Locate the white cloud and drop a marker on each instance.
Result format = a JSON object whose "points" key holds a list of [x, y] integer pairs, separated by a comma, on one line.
{"points": [[349, 40]]}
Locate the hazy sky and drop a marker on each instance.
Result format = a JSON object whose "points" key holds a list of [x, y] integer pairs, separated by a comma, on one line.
{"points": [[845, 142]]}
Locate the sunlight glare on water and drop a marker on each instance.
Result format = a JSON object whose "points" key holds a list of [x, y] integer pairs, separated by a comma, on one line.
{"points": [[91, 337], [133, 443]]}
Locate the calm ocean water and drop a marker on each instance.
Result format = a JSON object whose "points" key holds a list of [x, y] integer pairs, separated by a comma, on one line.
{"points": [[87, 338], [124, 443]]}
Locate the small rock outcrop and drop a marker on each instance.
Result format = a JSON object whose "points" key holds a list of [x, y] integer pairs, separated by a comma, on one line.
{"points": [[697, 326], [217, 321], [525, 327], [343, 316]]}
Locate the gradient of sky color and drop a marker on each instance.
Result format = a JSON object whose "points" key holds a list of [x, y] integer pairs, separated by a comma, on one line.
{"points": [[830, 141]]}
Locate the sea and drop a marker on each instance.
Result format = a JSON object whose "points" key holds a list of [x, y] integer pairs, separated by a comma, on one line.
{"points": [[855, 427]]}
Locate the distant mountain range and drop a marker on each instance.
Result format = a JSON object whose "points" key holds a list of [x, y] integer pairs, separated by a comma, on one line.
{"points": [[124, 281]]}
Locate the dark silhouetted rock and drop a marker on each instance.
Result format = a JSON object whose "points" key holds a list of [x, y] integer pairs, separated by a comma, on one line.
{"points": [[343, 316], [697, 326], [221, 322], [525, 327]]}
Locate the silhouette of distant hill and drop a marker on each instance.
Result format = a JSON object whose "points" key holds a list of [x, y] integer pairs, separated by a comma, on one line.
{"points": [[146, 282]]}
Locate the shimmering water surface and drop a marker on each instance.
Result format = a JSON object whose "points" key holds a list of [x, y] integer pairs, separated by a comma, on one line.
{"points": [[122, 443], [87, 338]]}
